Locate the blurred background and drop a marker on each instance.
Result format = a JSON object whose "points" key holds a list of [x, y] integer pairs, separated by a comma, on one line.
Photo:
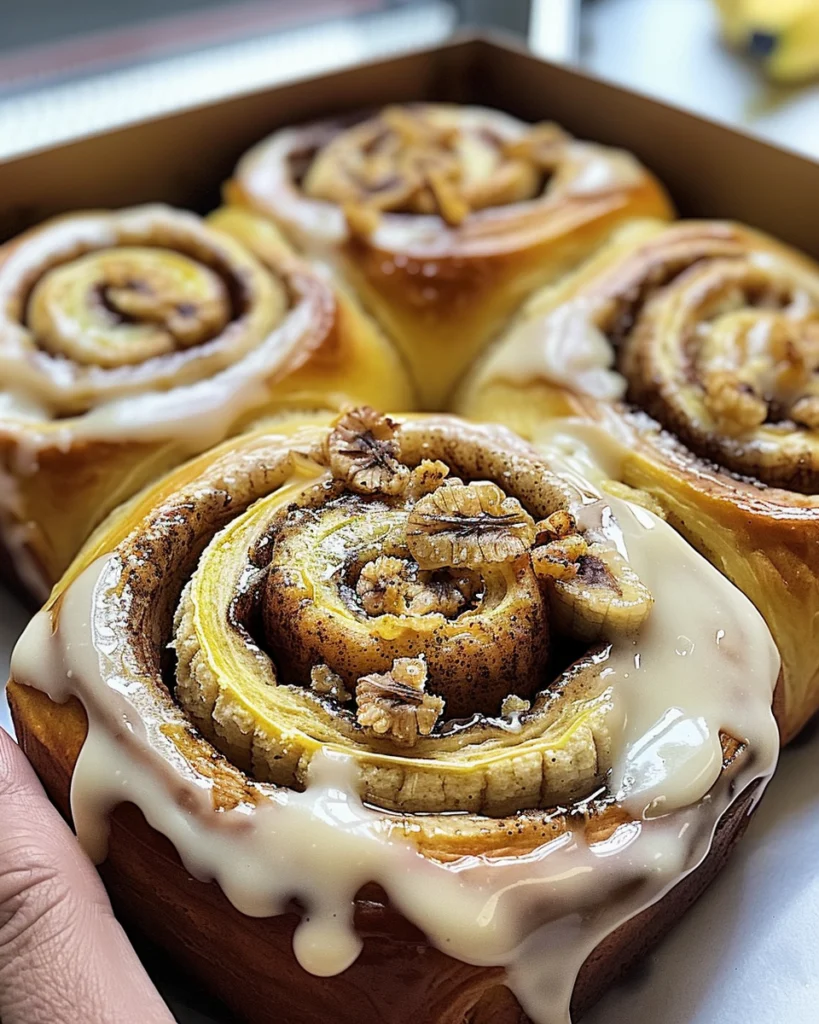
{"points": [[71, 67]]}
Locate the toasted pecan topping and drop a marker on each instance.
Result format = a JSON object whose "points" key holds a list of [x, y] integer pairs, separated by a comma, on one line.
{"points": [[362, 451], [327, 683], [395, 705], [468, 525]]}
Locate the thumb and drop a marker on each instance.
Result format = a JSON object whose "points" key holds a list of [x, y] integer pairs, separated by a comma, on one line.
{"points": [[63, 956]]}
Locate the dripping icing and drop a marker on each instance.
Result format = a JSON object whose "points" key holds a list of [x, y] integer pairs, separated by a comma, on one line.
{"points": [[516, 912], [563, 348]]}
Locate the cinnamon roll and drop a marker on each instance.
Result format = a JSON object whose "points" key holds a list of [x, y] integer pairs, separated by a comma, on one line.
{"points": [[132, 340], [442, 217], [697, 347], [451, 731]]}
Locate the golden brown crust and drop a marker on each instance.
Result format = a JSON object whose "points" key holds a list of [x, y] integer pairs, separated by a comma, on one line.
{"points": [[98, 475], [443, 290], [675, 304]]}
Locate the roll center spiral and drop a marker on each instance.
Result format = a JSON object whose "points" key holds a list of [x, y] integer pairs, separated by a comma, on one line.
{"points": [[423, 160], [718, 341], [756, 344], [102, 308], [344, 590], [415, 619], [127, 305]]}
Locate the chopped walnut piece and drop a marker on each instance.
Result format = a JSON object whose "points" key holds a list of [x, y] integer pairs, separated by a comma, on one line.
{"points": [[379, 586], [734, 404], [468, 525], [806, 411], [394, 705], [396, 586], [361, 220], [413, 130], [446, 189], [417, 160], [558, 559], [426, 478], [514, 705], [558, 524], [544, 144], [362, 451], [327, 683]]}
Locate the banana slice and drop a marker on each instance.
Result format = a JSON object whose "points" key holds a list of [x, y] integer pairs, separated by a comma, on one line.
{"points": [[605, 597]]}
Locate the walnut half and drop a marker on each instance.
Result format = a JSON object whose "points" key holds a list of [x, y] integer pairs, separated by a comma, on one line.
{"points": [[468, 525], [362, 451], [394, 705]]}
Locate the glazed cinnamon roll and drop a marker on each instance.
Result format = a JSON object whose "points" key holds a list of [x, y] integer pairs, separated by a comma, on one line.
{"points": [[130, 341], [443, 218], [697, 346], [451, 731]]}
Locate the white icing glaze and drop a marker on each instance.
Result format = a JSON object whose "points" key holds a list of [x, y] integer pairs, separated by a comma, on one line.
{"points": [[196, 416], [598, 169], [704, 663], [135, 403], [564, 347], [318, 226], [669, 757]]}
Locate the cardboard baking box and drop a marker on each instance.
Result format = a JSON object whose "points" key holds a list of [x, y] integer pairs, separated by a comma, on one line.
{"points": [[182, 159]]}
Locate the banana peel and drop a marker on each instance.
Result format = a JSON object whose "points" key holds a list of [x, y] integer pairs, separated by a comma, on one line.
{"points": [[781, 36]]}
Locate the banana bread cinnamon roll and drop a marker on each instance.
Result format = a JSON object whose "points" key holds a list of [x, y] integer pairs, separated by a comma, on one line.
{"points": [[443, 217], [697, 347], [420, 725], [130, 341]]}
